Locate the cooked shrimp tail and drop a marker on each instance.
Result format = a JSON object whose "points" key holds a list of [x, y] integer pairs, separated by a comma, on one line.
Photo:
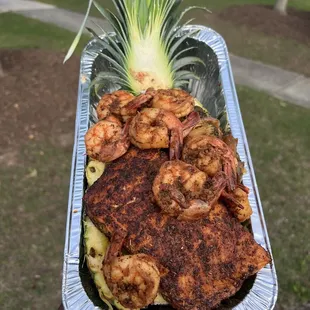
{"points": [[232, 200], [215, 188], [191, 121], [176, 135], [238, 202], [141, 100], [231, 175], [115, 151], [176, 143], [244, 188], [125, 131], [115, 246], [140, 272], [229, 163], [231, 142], [174, 194]]}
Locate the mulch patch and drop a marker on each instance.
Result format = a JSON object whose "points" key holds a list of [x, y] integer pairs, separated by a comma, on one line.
{"points": [[295, 25], [38, 96]]}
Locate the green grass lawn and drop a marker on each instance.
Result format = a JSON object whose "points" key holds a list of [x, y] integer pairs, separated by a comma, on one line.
{"points": [[240, 40], [34, 189], [21, 32], [278, 135], [33, 218]]}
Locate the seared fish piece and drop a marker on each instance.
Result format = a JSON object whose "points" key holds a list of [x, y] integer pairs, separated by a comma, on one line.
{"points": [[207, 259]]}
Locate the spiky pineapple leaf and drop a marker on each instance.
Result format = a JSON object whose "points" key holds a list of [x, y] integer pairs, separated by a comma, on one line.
{"points": [[181, 83], [179, 41], [119, 8], [108, 75], [109, 47], [79, 34], [172, 33], [116, 24], [184, 74], [108, 39], [177, 55], [117, 67], [182, 62]]}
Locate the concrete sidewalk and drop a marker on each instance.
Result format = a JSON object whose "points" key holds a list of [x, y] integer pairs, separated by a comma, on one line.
{"points": [[285, 85], [65, 19], [22, 5]]}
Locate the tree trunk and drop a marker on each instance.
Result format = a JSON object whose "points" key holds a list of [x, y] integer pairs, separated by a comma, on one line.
{"points": [[281, 6]]}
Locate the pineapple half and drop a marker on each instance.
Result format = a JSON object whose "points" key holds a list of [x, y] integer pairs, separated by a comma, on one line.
{"points": [[145, 51], [96, 245]]}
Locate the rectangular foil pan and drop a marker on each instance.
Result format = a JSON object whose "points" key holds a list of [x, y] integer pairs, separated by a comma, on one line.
{"points": [[216, 91]]}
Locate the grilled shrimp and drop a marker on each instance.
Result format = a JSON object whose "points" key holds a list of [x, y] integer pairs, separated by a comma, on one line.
{"points": [[211, 155], [238, 202], [114, 103], [143, 100], [175, 100], [206, 127], [150, 129], [182, 190], [232, 143], [133, 279], [107, 140], [190, 122]]}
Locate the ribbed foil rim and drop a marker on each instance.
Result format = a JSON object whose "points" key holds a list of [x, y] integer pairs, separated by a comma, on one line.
{"points": [[263, 294]]}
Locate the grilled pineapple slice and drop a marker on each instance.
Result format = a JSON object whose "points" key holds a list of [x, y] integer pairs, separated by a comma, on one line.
{"points": [[95, 242], [94, 171], [159, 300], [96, 245]]}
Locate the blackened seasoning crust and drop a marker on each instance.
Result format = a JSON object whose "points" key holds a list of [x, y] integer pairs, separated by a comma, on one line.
{"points": [[208, 259]]}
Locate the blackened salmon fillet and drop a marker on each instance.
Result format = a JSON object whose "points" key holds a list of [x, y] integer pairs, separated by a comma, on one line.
{"points": [[207, 259]]}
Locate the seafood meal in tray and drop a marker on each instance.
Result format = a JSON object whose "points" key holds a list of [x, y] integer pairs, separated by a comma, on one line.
{"points": [[165, 205], [171, 203]]}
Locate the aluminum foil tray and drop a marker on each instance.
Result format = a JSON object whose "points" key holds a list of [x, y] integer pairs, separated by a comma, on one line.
{"points": [[216, 91]]}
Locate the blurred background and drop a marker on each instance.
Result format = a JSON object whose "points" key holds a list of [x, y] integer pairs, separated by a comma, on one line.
{"points": [[37, 112]]}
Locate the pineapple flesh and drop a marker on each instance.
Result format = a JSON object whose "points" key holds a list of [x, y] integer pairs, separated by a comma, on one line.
{"points": [[94, 171], [96, 245]]}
